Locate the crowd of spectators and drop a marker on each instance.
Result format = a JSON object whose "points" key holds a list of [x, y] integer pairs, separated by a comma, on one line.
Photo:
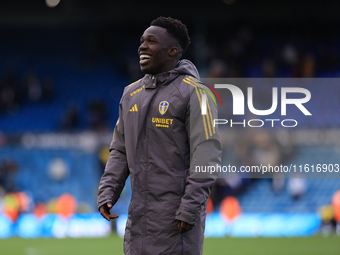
{"points": [[97, 117], [293, 50], [8, 169], [15, 90]]}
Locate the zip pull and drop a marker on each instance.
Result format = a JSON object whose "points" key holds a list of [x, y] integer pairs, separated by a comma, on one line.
{"points": [[154, 83]]}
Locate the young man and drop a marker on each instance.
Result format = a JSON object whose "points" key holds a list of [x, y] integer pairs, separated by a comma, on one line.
{"points": [[158, 140]]}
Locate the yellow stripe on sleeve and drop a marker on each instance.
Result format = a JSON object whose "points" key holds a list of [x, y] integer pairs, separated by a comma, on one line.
{"points": [[208, 122], [209, 110], [199, 99]]}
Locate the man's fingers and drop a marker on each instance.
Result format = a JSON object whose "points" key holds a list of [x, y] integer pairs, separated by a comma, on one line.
{"points": [[109, 216], [184, 227], [113, 216], [105, 212]]}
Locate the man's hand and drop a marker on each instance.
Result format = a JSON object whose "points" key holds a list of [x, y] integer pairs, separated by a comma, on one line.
{"points": [[105, 211], [183, 226]]}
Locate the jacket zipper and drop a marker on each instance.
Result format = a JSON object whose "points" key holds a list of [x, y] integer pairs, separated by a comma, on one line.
{"points": [[147, 168]]}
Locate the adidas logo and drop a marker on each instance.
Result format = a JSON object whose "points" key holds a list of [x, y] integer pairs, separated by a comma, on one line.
{"points": [[134, 108]]}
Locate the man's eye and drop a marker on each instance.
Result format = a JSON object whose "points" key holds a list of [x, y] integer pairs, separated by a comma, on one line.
{"points": [[149, 41]]}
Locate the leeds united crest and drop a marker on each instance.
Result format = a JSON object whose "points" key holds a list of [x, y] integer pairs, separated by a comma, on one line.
{"points": [[163, 107]]}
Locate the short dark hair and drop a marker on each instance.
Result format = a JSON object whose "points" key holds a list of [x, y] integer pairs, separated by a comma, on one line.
{"points": [[175, 28]]}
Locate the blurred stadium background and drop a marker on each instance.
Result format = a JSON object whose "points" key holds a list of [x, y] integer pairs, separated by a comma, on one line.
{"points": [[63, 67]]}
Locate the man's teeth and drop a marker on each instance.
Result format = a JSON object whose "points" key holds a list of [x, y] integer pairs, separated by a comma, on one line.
{"points": [[144, 57]]}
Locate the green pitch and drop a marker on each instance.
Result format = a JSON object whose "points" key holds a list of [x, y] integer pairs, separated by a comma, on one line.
{"points": [[112, 245]]}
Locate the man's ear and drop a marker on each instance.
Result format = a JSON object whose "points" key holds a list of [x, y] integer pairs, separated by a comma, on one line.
{"points": [[173, 51]]}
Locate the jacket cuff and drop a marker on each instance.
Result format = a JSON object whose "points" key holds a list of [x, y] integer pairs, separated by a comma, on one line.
{"points": [[186, 216], [99, 204]]}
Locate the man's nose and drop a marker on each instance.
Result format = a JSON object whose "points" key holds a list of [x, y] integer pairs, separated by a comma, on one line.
{"points": [[142, 46]]}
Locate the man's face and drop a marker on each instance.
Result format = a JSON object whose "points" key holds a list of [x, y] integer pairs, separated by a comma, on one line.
{"points": [[153, 50]]}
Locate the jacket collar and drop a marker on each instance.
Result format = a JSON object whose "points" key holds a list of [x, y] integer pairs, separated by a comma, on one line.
{"points": [[151, 81], [184, 67]]}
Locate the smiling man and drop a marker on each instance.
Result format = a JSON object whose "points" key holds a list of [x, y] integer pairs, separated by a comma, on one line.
{"points": [[158, 140]]}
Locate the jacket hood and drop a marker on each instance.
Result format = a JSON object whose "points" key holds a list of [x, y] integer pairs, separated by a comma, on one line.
{"points": [[186, 67]]}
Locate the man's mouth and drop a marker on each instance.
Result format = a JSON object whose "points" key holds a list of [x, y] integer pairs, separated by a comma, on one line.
{"points": [[144, 58]]}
